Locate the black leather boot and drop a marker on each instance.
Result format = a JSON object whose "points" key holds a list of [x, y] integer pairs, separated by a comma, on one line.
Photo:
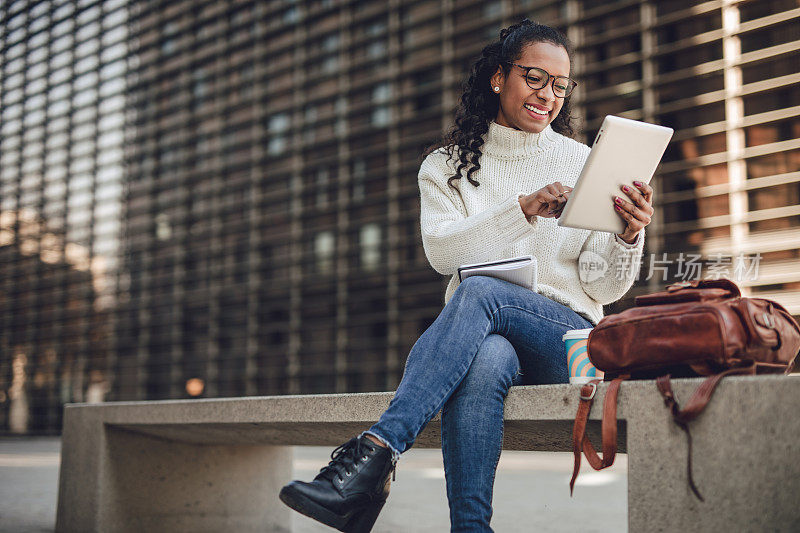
{"points": [[349, 493]]}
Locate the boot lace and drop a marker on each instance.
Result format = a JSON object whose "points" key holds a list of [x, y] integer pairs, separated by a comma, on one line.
{"points": [[343, 460]]}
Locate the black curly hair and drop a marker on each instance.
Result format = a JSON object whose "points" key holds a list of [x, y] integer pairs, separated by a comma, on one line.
{"points": [[478, 105]]}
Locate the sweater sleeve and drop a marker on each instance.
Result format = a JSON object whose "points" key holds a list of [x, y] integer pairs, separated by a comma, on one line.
{"points": [[623, 264], [451, 238]]}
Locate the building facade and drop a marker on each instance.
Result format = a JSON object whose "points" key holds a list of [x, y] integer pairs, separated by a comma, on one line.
{"points": [[219, 198]]}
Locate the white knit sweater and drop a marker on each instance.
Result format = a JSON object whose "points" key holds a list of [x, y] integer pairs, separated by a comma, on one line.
{"points": [[484, 223]]}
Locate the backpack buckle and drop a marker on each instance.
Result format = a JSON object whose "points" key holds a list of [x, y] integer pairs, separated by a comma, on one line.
{"points": [[591, 395]]}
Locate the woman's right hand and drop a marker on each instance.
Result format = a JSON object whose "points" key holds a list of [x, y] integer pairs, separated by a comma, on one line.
{"points": [[547, 202]]}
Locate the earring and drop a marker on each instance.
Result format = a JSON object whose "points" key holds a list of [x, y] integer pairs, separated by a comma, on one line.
{"points": [[496, 89]]}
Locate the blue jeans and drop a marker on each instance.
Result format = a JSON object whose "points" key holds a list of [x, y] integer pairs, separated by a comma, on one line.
{"points": [[491, 335]]}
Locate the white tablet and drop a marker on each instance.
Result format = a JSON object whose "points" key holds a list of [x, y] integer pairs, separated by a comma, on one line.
{"points": [[623, 151]]}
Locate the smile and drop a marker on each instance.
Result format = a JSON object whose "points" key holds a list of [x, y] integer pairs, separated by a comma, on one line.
{"points": [[536, 109]]}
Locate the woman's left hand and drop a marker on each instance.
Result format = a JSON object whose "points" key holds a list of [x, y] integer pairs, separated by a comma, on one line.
{"points": [[636, 210]]}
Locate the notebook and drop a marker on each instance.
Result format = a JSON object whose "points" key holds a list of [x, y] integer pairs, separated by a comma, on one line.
{"points": [[519, 270]]}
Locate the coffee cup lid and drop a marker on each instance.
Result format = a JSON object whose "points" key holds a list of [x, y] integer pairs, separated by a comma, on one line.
{"points": [[577, 334]]}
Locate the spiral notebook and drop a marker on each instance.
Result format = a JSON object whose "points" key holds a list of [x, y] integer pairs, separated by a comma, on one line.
{"points": [[519, 270]]}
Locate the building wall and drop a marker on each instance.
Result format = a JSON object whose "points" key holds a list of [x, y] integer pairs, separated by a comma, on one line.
{"points": [[236, 181]]}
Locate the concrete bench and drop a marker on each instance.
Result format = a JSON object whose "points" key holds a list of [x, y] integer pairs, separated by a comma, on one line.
{"points": [[218, 464]]}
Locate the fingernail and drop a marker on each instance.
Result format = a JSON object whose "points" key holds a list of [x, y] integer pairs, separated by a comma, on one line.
{"points": [[637, 183], [618, 199], [625, 188], [618, 208]]}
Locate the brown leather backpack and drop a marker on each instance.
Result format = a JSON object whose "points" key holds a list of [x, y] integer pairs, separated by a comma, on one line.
{"points": [[694, 328]]}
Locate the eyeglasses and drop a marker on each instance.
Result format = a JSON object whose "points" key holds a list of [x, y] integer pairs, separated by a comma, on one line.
{"points": [[538, 78]]}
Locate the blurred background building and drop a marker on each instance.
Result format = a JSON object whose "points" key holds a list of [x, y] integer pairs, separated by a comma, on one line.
{"points": [[219, 198]]}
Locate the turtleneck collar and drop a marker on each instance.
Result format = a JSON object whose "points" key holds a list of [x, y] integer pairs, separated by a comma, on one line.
{"points": [[509, 143]]}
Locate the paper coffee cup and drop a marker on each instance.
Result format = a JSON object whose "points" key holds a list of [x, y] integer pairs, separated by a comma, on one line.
{"points": [[581, 370]]}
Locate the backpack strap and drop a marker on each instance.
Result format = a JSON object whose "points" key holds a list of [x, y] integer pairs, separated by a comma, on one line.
{"points": [[580, 441], [696, 404]]}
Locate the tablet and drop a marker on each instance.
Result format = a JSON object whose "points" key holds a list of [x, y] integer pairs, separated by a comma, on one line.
{"points": [[624, 150]]}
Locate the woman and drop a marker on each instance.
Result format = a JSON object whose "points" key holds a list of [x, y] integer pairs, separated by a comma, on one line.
{"points": [[493, 190]]}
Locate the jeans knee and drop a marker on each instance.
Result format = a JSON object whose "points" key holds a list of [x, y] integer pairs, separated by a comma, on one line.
{"points": [[476, 287], [495, 364]]}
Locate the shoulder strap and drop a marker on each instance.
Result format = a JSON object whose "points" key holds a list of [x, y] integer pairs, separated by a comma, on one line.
{"points": [[580, 441], [695, 406]]}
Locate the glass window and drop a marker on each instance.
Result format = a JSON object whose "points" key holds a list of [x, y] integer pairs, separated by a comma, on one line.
{"points": [[64, 10], [64, 28], [113, 70], [55, 190], [83, 148], [80, 164], [324, 245], [108, 122], [89, 15], [9, 128], [14, 81], [60, 60], [111, 5], [85, 81], [16, 21], [277, 145], [382, 92], [36, 86], [12, 111], [38, 24], [375, 28], [61, 44], [83, 131], [32, 166], [109, 139], [9, 159], [370, 241], [109, 157], [492, 9], [87, 32], [57, 123], [359, 174], [330, 64], [35, 102], [33, 147], [323, 180], [89, 47], [110, 175], [36, 71], [109, 191], [59, 92], [56, 157], [114, 36], [13, 67], [40, 39], [112, 87], [33, 134], [15, 51], [60, 76], [16, 35], [86, 97], [59, 107], [35, 56], [376, 50], [57, 140], [381, 116], [34, 117], [110, 105], [86, 64], [278, 123], [330, 43]]}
